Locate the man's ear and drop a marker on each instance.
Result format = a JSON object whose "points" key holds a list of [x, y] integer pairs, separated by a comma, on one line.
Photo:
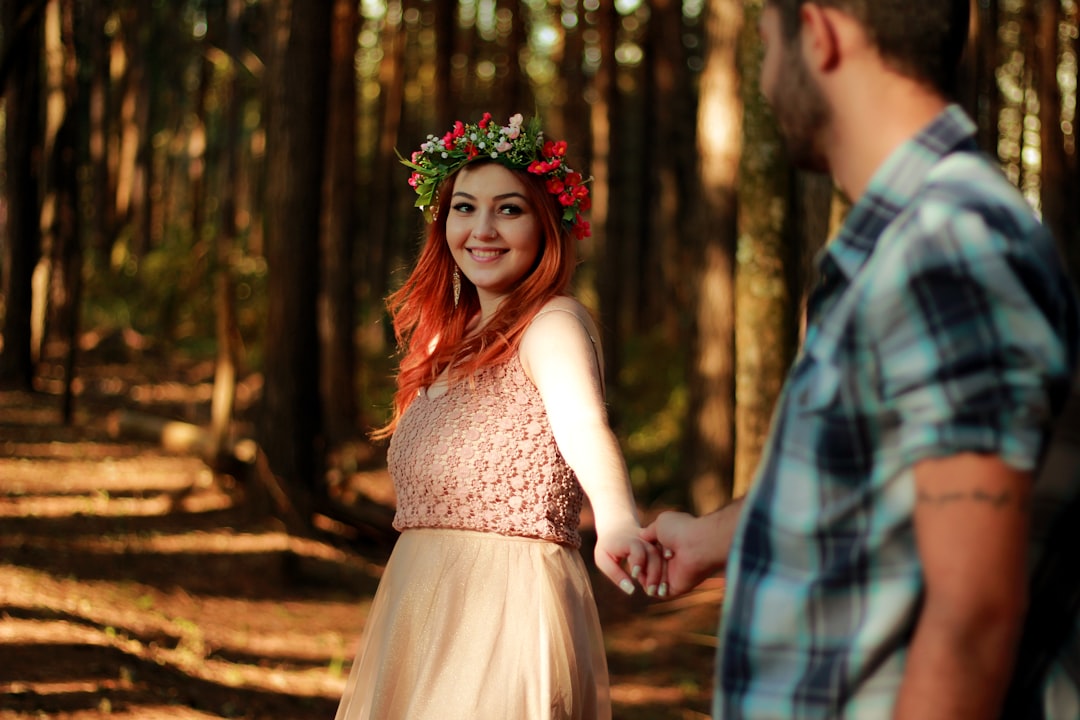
{"points": [[818, 33]]}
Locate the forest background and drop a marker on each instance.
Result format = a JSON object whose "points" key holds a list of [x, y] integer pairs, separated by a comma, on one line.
{"points": [[219, 179], [201, 211]]}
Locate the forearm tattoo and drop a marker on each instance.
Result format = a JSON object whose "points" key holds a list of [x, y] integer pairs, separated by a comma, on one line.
{"points": [[995, 500]]}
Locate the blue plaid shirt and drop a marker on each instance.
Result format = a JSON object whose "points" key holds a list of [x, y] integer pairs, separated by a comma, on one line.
{"points": [[942, 324]]}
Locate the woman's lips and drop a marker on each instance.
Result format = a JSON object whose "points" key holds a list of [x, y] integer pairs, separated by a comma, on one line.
{"points": [[485, 254]]}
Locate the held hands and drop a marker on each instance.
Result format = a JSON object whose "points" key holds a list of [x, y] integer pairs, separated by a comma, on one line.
{"points": [[624, 556], [690, 548]]}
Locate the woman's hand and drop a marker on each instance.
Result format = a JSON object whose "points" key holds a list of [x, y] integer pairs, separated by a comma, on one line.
{"points": [[624, 556]]}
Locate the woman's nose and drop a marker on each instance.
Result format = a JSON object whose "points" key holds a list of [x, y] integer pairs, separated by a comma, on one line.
{"points": [[484, 228]]}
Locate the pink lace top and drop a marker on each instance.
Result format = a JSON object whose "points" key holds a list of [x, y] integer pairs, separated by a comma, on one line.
{"points": [[482, 457]]}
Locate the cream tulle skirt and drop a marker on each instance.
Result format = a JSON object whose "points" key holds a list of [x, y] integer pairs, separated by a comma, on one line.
{"points": [[480, 626]]}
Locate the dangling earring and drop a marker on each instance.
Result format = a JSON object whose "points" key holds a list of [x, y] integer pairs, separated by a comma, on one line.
{"points": [[456, 280]]}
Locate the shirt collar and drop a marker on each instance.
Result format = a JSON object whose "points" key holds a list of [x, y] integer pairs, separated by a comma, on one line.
{"points": [[893, 186]]}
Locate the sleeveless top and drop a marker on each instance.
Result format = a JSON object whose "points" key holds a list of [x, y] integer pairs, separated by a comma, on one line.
{"points": [[482, 457]]}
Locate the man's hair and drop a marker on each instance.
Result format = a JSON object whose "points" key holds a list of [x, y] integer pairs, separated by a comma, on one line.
{"points": [[921, 39]]}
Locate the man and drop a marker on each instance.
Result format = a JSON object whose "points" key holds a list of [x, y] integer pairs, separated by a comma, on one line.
{"points": [[878, 567]]}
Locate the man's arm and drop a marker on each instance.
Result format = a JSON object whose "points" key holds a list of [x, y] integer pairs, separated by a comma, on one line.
{"points": [[694, 547], [971, 527]]}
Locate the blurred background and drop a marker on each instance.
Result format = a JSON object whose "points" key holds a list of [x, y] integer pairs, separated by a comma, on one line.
{"points": [[202, 209]]}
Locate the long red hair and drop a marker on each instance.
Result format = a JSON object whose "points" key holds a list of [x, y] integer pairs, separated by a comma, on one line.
{"points": [[431, 331]]}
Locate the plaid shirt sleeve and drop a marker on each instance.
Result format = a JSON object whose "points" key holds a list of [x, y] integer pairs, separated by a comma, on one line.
{"points": [[965, 330]]}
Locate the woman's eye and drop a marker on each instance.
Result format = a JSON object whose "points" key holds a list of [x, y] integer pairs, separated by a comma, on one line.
{"points": [[463, 207], [510, 210]]}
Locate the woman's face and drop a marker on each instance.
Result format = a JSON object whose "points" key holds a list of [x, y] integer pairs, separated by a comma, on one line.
{"points": [[492, 230]]}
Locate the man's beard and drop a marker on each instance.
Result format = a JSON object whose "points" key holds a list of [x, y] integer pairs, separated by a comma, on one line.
{"points": [[802, 113]]}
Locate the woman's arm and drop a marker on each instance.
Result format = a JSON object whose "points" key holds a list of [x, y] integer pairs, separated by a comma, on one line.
{"points": [[560, 355]]}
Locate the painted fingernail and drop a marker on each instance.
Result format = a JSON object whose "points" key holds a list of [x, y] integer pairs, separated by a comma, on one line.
{"points": [[627, 587], [651, 590], [663, 589], [635, 572]]}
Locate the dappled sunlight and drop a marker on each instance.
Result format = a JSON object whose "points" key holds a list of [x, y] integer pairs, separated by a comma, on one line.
{"points": [[104, 506], [134, 583]]}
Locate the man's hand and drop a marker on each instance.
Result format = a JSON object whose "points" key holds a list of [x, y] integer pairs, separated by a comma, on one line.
{"points": [[695, 548]]}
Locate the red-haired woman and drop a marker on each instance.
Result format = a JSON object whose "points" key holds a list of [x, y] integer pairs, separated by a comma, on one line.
{"points": [[499, 433]]}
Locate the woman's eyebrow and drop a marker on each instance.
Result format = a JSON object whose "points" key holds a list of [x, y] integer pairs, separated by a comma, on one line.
{"points": [[504, 196]]}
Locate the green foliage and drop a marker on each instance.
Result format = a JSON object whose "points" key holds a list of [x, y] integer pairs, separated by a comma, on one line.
{"points": [[167, 296], [648, 404]]}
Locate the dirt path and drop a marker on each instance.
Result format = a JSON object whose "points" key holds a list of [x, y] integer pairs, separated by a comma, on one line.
{"points": [[132, 585]]}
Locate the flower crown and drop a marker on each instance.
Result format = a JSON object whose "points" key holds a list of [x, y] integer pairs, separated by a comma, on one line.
{"points": [[513, 146]]}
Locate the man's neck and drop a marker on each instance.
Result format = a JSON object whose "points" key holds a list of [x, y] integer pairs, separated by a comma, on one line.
{"points": [[870, 121]]}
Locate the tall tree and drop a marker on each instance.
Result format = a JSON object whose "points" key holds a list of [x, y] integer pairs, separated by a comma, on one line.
{"points": [[710, 454], [226, 332], [764, 308], [1058, 193], [445, 29], [296, 84], [380, 184], [605, 124], [22, 22], [64, 241], [336, 301], [95, 73], [663, 173]]}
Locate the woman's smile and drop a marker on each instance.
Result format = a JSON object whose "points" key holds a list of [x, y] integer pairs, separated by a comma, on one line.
{"points": [[492, 231], [485, 254]]}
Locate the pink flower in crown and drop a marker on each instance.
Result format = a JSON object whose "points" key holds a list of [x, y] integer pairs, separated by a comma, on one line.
{"points": [[415, 179], [513, 130], [504, 146]]}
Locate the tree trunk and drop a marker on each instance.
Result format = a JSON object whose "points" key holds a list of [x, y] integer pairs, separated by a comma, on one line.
{"points": [[386, 173], [336, 316], [605, 214], [445, 32], [987, 62], [1057, 193], [764, 310], [666, 188], [710, 454], [290, 422], [96, 74], [819, 210], [566, 121], [67, 248], [514, 89], [22, 103], [1072, 159], [226, 332]]}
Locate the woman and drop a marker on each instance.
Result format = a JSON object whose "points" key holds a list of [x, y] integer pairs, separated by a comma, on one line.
{"points": [[485, 609]]}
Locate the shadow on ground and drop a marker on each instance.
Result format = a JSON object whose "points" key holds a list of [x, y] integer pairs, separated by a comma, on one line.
{"points": [[134, 585]]}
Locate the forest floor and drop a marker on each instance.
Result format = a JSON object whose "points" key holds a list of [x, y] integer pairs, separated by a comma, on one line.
{"points": [[134, 583]]}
